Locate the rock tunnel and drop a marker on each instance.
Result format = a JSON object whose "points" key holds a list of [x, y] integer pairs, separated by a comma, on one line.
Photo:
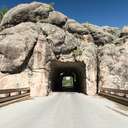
{"points": [[72, 71], [47, 52], [46, 47]]}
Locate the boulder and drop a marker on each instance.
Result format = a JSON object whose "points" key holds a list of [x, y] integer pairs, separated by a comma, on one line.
{"points": [[115, 31], [60, 41], [125, 29], [124, 32], [57, 18], [16, 46], [74, 27], [54, 34], [71, 43], [100, 35], [26, 12]]}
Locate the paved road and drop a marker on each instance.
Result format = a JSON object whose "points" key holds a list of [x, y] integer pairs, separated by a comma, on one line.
{"points": [[64, 110]]}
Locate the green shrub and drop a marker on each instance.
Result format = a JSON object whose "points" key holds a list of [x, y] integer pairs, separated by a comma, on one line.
{"points": [[2, 12], [51, 6]]}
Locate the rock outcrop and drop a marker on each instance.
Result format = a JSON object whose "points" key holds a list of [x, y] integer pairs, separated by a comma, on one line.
{"points": [[16, 45], [27, 12], [113, 65], [102, 35], [33, 35]]}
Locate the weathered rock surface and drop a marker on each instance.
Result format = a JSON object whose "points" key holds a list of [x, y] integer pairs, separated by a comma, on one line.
{"points": [[101, 35], [124, 31], [113, 66], [89, 57], [57, 18], [33, 35], [19, 80], [54, 34], [27, 12], [75, 27], [16, 45]]}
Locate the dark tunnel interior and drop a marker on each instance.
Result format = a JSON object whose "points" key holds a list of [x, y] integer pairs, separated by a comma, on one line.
{"points": [[68, 77]]}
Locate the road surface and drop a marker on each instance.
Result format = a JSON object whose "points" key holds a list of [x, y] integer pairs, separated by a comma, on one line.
{"points": [[64, 110]]}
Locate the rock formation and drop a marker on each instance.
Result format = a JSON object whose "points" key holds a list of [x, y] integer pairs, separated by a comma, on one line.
{"points": [[33, 36]]}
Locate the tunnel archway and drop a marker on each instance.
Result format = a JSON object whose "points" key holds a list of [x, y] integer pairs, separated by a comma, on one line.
{"points": [[76, 70]]}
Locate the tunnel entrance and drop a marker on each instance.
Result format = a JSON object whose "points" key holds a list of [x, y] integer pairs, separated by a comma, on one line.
{"points": [[68, 77]]}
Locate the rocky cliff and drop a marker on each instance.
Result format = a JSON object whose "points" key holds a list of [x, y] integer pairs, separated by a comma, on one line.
{"points": [[34, 35]]}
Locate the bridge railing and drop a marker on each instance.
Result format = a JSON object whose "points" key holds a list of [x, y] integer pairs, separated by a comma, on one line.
{"points": [[118, 95], [8, 96]]}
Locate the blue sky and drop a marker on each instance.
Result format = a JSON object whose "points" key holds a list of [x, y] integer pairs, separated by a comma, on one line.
{"points": [[100, 12]]}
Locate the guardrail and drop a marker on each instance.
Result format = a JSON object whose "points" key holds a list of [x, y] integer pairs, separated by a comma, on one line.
{"points": [[8, 96], [118, 95]]}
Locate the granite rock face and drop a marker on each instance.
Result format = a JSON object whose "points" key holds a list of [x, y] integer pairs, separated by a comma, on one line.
{"points": [[33, 12], [75, 27], [16, 45], [33, 36], [57, 18], [113, 65], [102, 35]]}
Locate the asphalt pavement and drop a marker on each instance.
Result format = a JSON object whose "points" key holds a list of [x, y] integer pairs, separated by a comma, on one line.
{"points": [[64, 110]]}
